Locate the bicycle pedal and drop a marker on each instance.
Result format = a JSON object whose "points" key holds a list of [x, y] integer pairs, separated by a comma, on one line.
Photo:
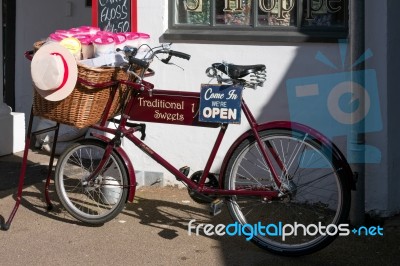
{"points": [[216, 207], [184, 170]]}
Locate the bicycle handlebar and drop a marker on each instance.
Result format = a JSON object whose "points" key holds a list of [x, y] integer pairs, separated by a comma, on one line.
{"points": [[179, 54], [139, 62], [131, 52]]}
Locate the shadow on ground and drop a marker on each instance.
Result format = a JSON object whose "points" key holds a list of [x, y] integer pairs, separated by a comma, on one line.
{"points": [[167, 212]]}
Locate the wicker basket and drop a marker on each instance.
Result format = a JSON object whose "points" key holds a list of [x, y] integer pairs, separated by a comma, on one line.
{"points": [[86, 105], [37, 45], [123, 94]]}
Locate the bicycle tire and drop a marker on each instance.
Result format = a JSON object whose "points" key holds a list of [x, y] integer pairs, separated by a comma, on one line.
{"points": [[96, 202], [315, 190]]}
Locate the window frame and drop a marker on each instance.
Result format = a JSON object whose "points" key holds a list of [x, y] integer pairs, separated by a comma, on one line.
{"points": [[228, 34]]}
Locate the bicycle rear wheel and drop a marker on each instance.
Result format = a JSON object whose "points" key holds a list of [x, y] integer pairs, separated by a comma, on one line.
{"points": [[314, 196], [98, 200]]}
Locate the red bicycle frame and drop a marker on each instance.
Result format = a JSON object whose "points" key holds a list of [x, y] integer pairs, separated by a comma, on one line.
{"points": [[149, 105]]}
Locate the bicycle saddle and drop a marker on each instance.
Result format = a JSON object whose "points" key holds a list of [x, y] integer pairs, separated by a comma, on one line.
{"points": [[238, 71]]}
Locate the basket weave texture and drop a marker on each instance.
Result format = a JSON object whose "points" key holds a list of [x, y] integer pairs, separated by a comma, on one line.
{"points": [[86, 105]]}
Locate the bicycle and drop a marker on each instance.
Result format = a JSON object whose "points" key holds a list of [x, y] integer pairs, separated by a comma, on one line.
{"points": [[276, 173]]}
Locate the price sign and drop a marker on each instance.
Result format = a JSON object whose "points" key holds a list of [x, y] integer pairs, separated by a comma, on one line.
{"points": [[115, 15]]}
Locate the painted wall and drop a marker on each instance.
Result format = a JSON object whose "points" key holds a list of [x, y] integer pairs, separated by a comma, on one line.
{"points": [[190, 146]]}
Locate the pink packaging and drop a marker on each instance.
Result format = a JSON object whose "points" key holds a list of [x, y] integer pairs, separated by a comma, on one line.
{"points": [[89, 30], [132, 39], [87, 45], [76, 31], [105, 33], [120, 40], [103, 44], [56, 37]]}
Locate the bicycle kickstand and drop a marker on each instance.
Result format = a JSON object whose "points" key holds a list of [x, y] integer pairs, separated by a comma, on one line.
{"points": [[28, 137]]}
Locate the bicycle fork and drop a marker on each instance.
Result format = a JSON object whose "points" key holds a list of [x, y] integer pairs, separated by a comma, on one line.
{"points": [[103, 164]]}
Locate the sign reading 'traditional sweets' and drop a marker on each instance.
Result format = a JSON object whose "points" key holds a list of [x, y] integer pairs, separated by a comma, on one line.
{"points": [[220, 103]]}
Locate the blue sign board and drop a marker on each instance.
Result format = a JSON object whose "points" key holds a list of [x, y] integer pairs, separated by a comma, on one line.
{"points": [[220, 103]]}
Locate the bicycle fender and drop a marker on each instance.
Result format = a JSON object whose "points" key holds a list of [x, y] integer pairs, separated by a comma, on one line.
{"points": [[290, 126], [128, 165]]}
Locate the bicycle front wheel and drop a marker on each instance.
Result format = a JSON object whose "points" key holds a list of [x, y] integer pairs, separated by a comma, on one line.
{"points": [[95, 201], [314, 198]]}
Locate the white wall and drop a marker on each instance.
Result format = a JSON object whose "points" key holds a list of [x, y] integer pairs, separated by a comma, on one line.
{"points": [[190, 146], [283, 61]]}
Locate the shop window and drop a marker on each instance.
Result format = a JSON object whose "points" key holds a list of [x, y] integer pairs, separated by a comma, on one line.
{"points": [[257, 20]]}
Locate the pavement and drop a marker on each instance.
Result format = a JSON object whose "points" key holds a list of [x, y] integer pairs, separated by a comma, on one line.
{"points": [[150, 231]]}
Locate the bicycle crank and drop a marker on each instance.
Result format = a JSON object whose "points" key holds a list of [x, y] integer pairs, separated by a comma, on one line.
{"points": [[211, 182]]}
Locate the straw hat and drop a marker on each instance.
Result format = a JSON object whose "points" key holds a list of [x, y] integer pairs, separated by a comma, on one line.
{"points": [[54, 72]]}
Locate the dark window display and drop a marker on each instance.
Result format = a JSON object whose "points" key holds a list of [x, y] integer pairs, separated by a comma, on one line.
{"points": [[308, 17]]}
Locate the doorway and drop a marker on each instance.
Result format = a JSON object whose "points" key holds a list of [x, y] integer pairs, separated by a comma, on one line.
{"points": [[8, 38]]}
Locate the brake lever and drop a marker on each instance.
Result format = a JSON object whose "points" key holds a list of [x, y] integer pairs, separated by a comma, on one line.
{"points": [[177, 66], [166, 60]]}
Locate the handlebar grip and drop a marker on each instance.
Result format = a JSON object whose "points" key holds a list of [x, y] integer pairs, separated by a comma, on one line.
{"points": [[139, 62], [180, 54]]}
